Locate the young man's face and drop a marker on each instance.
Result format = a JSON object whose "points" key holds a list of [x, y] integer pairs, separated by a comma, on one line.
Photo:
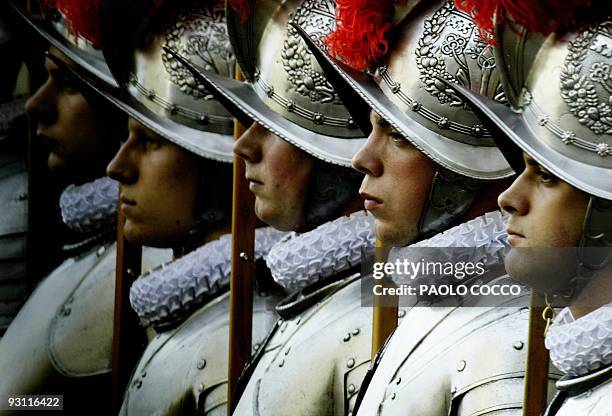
{"points": [[75, 134], [279, 176], [397, 182], [545, 212], [160, 183]]}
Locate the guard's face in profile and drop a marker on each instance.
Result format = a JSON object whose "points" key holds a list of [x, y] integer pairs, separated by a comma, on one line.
{"points": [[72, 130], [159, 187], [397, 182], [545, 224], [278, 174]]}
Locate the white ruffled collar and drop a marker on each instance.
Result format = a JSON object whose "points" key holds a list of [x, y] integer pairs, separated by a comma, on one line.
{"points": [[302, 259], [171, 292], [578, 347], [90, 207]]}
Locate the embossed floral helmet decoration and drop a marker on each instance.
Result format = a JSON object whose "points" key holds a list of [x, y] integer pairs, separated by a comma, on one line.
{"points": [[561, 89]]}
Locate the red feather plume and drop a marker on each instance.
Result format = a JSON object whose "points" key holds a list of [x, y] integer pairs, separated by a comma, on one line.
{"points": [[360, 36], [242, 7], [82, 17], [543, 16]]}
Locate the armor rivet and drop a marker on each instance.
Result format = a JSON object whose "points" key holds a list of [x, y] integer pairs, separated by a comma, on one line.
{"points": [[346, 338], [461, 365], [270, 91], [351, 388], [256, 346], [200, 388], [350, 363], [350, 123], [203, 119], [543, 120], [518, 345], [401, 313], [398, 381], [318, 118], [476, 130], [130, 272], [201, 363], [393, 396], [603, 149], [100, 251], [443, 122], [415, 106], [356, 331], [22, 197], [173, 109], [151, 94], [243, 256], [281, 363], [396, 88]]}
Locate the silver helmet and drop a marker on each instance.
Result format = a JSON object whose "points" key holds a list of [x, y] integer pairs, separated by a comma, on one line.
{"points": [[286, 91], [161, 93]]}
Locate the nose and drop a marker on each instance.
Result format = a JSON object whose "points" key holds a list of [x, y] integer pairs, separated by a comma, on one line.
{"points": [[367, 160], [123, 168], [514, 199], [248, 146], [42, 106]]}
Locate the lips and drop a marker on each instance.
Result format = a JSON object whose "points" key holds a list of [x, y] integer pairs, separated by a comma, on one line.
{"points": [[370, 202], [49, 142], [514, 237], [127, 204]]}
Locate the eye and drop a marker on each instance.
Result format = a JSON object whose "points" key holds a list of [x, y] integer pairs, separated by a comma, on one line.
{"points": [[152, 142], [546, 177], [64, 83], [397, 138]]}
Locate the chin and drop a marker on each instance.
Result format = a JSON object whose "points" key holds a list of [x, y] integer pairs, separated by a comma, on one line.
{"points": [[273, 218]]}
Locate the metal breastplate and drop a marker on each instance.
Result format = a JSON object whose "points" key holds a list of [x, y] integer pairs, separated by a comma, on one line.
{"points": [[590, 395], [453, 361], [60, 342], [13, 229], [184, 370], [316, 360]]}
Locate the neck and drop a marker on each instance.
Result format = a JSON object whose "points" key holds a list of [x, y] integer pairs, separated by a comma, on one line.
{"points": [[486, 200], [199, 239], [597, 293]]}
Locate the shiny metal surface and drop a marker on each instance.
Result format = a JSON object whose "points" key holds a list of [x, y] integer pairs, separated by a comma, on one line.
{"points": [[184, 370]]}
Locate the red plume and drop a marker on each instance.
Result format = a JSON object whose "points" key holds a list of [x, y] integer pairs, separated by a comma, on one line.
{"points": [[543, 16], [360, 36], [242, 7], [82, 17]]}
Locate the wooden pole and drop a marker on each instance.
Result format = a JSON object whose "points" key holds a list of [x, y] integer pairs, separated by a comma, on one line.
{"points": [[536, 369], [127, 334], [243, 267], [385, 308]]}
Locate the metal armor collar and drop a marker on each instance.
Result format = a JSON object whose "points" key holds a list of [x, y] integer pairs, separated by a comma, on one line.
{"points": [[300, 260], [171, 292]]}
